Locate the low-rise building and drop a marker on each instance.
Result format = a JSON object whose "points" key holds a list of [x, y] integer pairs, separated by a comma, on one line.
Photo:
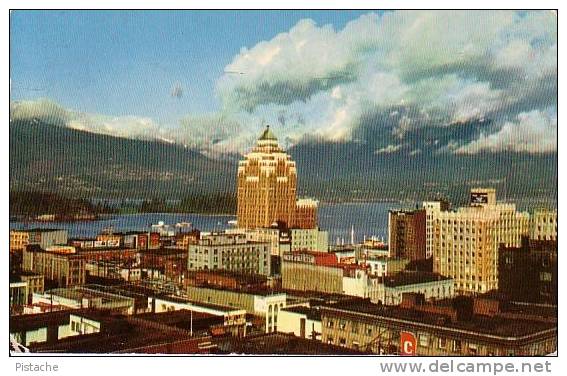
{"points": [[278, 236], [95, 331], [433, 286], [312, 271], [230, 252], [309, 239], [45, 238], [50, 327], [384, 266], [357, 282], [461, 328], [279, 344], [225, 279], [82, 297], [302, 321], [34, 281], [60, 267], [183, 239], [262, 303], [233, 317], [18, 296]]}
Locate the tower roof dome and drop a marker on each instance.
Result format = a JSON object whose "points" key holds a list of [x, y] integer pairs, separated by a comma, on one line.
{"points": [[267, 135]]}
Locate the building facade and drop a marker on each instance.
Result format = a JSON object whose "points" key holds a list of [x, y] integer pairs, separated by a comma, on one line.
{"points": [[19, 239], [303, 322], [63, 269], [466, 241], [309, 240], [231, 252], [529, 273], [432, 286], [267, 184], [543, 225], [431, 209], [384, 266], [407, 234], [305, 214], [261, 303], [312, 271], [435, 331]]}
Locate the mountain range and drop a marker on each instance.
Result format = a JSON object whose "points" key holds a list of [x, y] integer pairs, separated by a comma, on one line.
{"points": [[46, 157]]}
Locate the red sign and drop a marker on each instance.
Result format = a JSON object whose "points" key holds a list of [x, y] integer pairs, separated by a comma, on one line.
{"points": [[408, 343]]}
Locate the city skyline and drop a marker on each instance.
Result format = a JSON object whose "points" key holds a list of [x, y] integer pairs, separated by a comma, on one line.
{"points": [[284, 183]]}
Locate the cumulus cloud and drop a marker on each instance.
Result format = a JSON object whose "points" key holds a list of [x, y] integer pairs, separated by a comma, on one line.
{"points": [[532, 132], [121, 126], [388, 149], [210, 133], [436, 81], [422, 68], [41, 109]]}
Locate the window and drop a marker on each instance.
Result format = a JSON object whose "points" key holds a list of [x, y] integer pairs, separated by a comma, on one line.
{"points": [[457, 346], [442, 343], [342, 342], [423, 340], [473, 349], [330, 324]]}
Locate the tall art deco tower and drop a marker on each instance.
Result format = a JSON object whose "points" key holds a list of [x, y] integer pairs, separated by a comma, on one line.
{"points": [[267, 182]]}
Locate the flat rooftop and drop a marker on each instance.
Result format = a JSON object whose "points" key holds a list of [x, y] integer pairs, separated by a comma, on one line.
{"points": [[310, 313], [184, 319], [496, 326], [405, 278], [37, 229], [78, 293], [254, 290], [182, 300], [280, 344], [122, 334], [163, 251]]}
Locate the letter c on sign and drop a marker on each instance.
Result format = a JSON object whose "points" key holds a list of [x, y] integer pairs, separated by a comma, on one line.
{"points": [[408, 343]]}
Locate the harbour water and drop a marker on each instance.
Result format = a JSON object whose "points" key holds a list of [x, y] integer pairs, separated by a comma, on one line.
{"points": [[367, 219]]}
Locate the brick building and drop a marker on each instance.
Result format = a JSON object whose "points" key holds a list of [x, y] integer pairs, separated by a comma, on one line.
{"points": [[407, 234], [529, 273]]}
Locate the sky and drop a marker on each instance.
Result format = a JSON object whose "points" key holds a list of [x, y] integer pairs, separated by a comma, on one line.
{"points": [[460, 82]]}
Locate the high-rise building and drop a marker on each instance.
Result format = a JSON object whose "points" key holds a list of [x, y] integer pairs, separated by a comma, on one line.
{"points": [[431, 208], [466, 241], [407, 234], [267, 183], [529, 273], [543, 225]]}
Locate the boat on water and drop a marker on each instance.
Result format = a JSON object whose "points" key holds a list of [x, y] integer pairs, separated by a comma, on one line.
{"points": [[183, 224]]}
